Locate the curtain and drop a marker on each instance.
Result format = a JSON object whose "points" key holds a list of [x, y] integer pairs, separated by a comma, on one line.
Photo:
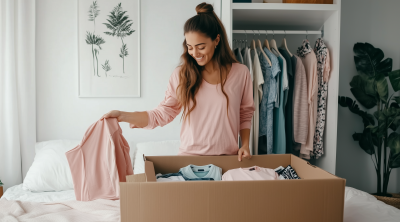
{"points": [[17, 89]]}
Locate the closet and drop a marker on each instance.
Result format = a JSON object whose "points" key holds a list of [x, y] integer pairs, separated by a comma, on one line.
{"points": [[294, 22]]}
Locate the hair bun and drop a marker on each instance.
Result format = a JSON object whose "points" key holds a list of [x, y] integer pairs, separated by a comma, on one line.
{"points": [[204, 8]]}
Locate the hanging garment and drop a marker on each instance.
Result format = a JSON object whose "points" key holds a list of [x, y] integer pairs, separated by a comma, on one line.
{"points": [[267, 73], [309, 60], [247, 61], [289, 98], [267, 107], [300, 104], [323, 67], [289, 74], [238, 55], [258, 80], [250, 173], [279, 144], [211, 112], [100, 162], [207, 172]]}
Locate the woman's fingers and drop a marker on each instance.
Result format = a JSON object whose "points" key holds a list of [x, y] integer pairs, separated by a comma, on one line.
{"points": [[240, 154], [132, 126]]}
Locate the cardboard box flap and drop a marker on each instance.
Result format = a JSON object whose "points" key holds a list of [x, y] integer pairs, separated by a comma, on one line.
{"points": [[149, 170], [136, 178], [172, 164], [305, 170]]}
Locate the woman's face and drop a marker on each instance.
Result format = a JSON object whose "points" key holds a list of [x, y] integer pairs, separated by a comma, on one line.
{"points": [[201, 47]]}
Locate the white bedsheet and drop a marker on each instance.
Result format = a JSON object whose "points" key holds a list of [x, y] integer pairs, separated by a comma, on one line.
{"points": [[17, 193], [359, 206]]}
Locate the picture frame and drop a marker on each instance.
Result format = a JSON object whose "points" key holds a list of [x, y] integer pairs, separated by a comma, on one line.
{"points": [[109, 48]]}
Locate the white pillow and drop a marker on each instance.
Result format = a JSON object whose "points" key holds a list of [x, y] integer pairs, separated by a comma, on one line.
{"points": [[162, 148], [50, 170]]}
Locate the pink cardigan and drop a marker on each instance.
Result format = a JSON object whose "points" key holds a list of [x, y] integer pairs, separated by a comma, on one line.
{"points": [[210, 131], [100, 162]]}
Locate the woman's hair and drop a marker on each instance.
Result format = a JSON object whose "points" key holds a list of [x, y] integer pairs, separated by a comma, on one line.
{"points": [[190, 78]]}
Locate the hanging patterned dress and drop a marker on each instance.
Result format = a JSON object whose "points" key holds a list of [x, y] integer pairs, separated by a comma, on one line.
{"points": [[323, 69]]}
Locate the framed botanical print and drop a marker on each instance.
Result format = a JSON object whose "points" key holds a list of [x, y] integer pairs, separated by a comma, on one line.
{"points": [[109, 48]]}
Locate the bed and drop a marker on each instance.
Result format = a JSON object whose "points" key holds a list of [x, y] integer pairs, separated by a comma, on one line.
{"points": [[19, 204]]}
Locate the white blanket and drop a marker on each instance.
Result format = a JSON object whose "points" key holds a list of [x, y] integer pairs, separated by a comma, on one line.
{"points": [[77, 211]]}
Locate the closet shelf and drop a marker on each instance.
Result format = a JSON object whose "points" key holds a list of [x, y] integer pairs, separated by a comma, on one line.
{"points": [[263, 16], [285, 6]]}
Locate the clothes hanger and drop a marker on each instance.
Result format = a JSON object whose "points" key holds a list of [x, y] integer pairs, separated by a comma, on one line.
{"points": [[284, 45], [266, 43], [273, 44], [261, 49], [253, 43]]}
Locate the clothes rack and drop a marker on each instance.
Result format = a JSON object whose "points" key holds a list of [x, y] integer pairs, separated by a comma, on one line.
{"points": [[288, 32]]}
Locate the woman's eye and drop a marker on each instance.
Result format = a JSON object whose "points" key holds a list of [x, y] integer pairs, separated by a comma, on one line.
{"points": [[201, 48]]}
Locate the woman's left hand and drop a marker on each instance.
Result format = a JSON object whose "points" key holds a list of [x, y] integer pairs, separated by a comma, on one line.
{"points": [[244, 152]]}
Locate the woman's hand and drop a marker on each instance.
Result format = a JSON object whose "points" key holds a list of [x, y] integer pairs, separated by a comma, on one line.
{"points": [[244, 152], [113, 114]]}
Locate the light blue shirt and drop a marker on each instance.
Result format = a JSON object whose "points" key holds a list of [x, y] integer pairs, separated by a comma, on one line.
{"points": [[201, 172]]}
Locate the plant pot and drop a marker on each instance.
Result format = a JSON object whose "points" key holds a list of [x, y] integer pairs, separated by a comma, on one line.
{"points": [[392, 201], [1, 191]]}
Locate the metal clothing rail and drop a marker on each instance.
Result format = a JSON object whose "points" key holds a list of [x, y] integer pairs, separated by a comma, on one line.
{"points": [[288, 32]]}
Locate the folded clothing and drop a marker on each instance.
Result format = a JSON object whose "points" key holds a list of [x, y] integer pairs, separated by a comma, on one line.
{"points": [[287, 173], [250, 173], [207, 172], [170, 177], [192, 173]]}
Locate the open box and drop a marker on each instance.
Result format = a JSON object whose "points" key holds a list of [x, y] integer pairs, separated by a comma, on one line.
{"points": [[318, 196]]}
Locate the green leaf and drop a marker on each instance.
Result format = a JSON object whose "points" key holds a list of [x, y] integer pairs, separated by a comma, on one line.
{"points": [[394, 161], [394, 78], [382, 87], [366, 142], [357, 136], [365, 100], [368, 119], [368, 60], [397, 99], [394, 145]]}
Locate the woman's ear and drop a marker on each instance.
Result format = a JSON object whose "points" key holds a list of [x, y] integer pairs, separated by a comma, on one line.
{"points": [[217, 39]]}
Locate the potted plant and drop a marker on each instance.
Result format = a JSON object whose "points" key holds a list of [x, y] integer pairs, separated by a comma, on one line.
{"points": [[379, 137]]}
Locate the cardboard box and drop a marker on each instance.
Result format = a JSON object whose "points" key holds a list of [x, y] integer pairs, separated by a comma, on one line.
{"points": [[318, 196]]}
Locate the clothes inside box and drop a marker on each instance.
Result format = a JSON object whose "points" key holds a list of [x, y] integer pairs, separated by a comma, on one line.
{"points": [[212, 172]]}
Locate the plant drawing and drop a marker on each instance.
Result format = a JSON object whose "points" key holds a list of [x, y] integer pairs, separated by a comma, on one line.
{"points": [[93, 13], [106, 67], [120, 26], [92, 39]]}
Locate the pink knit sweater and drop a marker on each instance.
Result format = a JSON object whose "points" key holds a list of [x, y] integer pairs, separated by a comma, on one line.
{"points": [[210, 131]]}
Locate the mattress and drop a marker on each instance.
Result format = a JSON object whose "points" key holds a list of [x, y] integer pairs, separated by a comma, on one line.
{"points": [[17, 193]]}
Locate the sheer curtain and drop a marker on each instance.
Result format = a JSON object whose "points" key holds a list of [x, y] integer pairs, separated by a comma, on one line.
{"points": [[17, 89]]}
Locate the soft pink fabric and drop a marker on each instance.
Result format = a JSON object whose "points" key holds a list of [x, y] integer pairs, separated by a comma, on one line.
{"points": [[100, 162], [250, 173], [210, 131]]}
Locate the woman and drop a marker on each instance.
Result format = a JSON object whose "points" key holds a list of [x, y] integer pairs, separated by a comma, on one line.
{"points": [[214, 91]]}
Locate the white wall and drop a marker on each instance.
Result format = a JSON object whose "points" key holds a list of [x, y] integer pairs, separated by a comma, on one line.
{"points": [[60, 113], [375, 22]]}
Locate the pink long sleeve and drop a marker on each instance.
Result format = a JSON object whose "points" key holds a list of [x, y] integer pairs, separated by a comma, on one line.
{"points": [[169, 108], [247, 105], [210, 131]]}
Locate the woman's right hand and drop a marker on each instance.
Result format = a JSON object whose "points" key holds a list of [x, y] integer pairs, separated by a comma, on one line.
{"points": [[113, 114], [135, 119]]}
